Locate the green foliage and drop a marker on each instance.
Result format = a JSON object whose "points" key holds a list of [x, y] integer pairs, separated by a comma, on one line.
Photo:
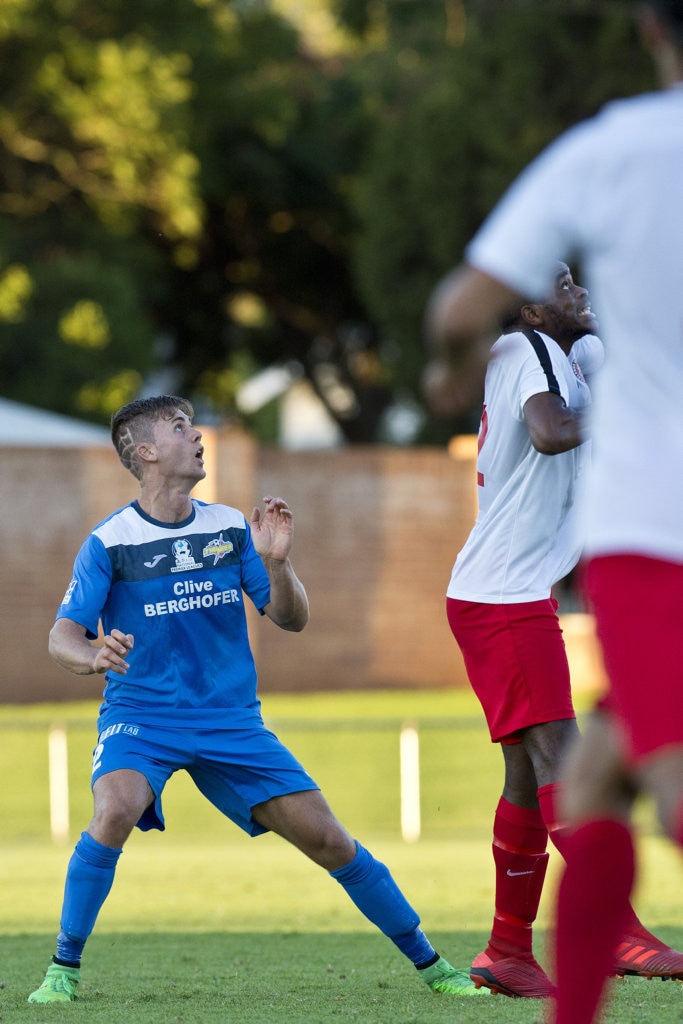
{"points": [[83, 322], [458, 125], [93, 158], [164, 161]]}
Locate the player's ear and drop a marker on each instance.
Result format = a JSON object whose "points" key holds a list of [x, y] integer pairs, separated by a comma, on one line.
{"points": [[531, 313], [146, 452]]}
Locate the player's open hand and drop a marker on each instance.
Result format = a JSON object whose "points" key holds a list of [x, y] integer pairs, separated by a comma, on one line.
{"points": [[272, 528]]}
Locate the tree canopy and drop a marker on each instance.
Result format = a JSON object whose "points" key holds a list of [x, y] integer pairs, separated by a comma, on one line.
{"points": [[191, 190]]}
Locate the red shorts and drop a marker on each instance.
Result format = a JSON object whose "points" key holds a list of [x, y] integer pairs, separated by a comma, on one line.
{"points": [[638, 606], [516, 662]]}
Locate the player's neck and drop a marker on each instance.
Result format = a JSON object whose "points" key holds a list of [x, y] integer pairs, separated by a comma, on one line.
{"points": [[164, 501]]}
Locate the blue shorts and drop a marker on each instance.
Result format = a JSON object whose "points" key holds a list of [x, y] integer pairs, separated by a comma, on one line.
{"points": [[235, 769]]}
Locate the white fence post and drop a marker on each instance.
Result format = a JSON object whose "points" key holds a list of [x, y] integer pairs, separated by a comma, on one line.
{"points": [[410, 783], [59, 783]]}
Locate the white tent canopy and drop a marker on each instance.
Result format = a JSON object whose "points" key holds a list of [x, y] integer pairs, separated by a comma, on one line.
{"points": [[22, 425]]}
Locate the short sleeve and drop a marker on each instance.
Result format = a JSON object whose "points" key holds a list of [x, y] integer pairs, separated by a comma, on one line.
{"points": [[89, 588]]}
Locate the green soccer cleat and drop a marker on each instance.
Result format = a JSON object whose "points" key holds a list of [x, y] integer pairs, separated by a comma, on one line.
{"points": [[59, 985], [441, 977]]}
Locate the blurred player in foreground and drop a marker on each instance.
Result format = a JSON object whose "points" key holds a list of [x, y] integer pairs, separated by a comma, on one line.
{"points": [[166, 578], [609, 192], [532, 453]]}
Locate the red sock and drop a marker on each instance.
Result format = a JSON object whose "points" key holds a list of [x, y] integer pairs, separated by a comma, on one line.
{"points": [[592, 906], [519, 842], [559, 834], [548, 800]]}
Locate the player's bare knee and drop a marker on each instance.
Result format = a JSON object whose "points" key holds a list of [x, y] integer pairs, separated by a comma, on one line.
{"points": [[113, 822], [332, 847]]}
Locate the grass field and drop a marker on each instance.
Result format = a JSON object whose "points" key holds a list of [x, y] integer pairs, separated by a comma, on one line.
{"points": [[204, 924]]}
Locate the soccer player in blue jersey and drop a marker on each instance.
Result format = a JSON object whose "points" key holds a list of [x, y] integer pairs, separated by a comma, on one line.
{"points": [[166, 578]]}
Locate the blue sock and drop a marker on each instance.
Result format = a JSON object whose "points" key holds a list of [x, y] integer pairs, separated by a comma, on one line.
{"points": [[369, 884], [89, 878]]}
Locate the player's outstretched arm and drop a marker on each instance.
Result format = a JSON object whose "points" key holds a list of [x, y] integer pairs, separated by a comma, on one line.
{"points": [[461, 324], [272, 530], [70, 648]]}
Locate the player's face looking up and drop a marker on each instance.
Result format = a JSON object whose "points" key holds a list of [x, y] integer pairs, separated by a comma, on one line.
{"points": [[177, 447], [569, 313]]}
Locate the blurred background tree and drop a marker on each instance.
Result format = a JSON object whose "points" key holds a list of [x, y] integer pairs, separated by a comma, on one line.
{"points": [[194, 190]]}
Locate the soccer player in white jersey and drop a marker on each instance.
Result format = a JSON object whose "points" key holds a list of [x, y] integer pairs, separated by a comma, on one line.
{"points": [[610, 193], [166, 578], [532, 453]]}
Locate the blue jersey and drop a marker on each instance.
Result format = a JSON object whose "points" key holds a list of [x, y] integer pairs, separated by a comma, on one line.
{"points": [[178, 588]]}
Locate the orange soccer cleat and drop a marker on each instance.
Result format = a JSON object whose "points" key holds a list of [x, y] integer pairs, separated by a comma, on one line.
{"points": [[647, 957], [519, 976]]}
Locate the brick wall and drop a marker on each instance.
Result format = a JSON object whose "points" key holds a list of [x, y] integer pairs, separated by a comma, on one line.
{"points": [[376, 532], [49, 500]]}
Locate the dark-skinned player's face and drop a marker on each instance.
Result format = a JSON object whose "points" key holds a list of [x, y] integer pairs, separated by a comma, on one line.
{"points": [[570, 308]]}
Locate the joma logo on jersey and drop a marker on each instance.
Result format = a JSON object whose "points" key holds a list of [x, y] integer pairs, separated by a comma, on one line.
{"points": [[155, 561], [218, 547], [182, 552]]}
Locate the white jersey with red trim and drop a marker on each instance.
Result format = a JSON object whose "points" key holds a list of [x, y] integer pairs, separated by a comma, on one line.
{"points": [[610, 192], [524, 539]]}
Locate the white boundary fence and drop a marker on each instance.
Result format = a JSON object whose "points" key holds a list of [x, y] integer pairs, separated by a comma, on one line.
{"points": [[411, 823], [409, 747], [58, 762], [409, 761]]}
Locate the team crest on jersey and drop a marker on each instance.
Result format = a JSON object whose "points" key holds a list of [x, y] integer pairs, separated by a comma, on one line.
{"points": [[184, 560], [218, 547], [577, 371]]}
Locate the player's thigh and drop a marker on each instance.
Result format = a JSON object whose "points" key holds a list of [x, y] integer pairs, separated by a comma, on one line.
{"points": [[119, 797], [240, 769], [548, 745], [520, 779], [306, 820], [131, 765], [123, 786]]}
